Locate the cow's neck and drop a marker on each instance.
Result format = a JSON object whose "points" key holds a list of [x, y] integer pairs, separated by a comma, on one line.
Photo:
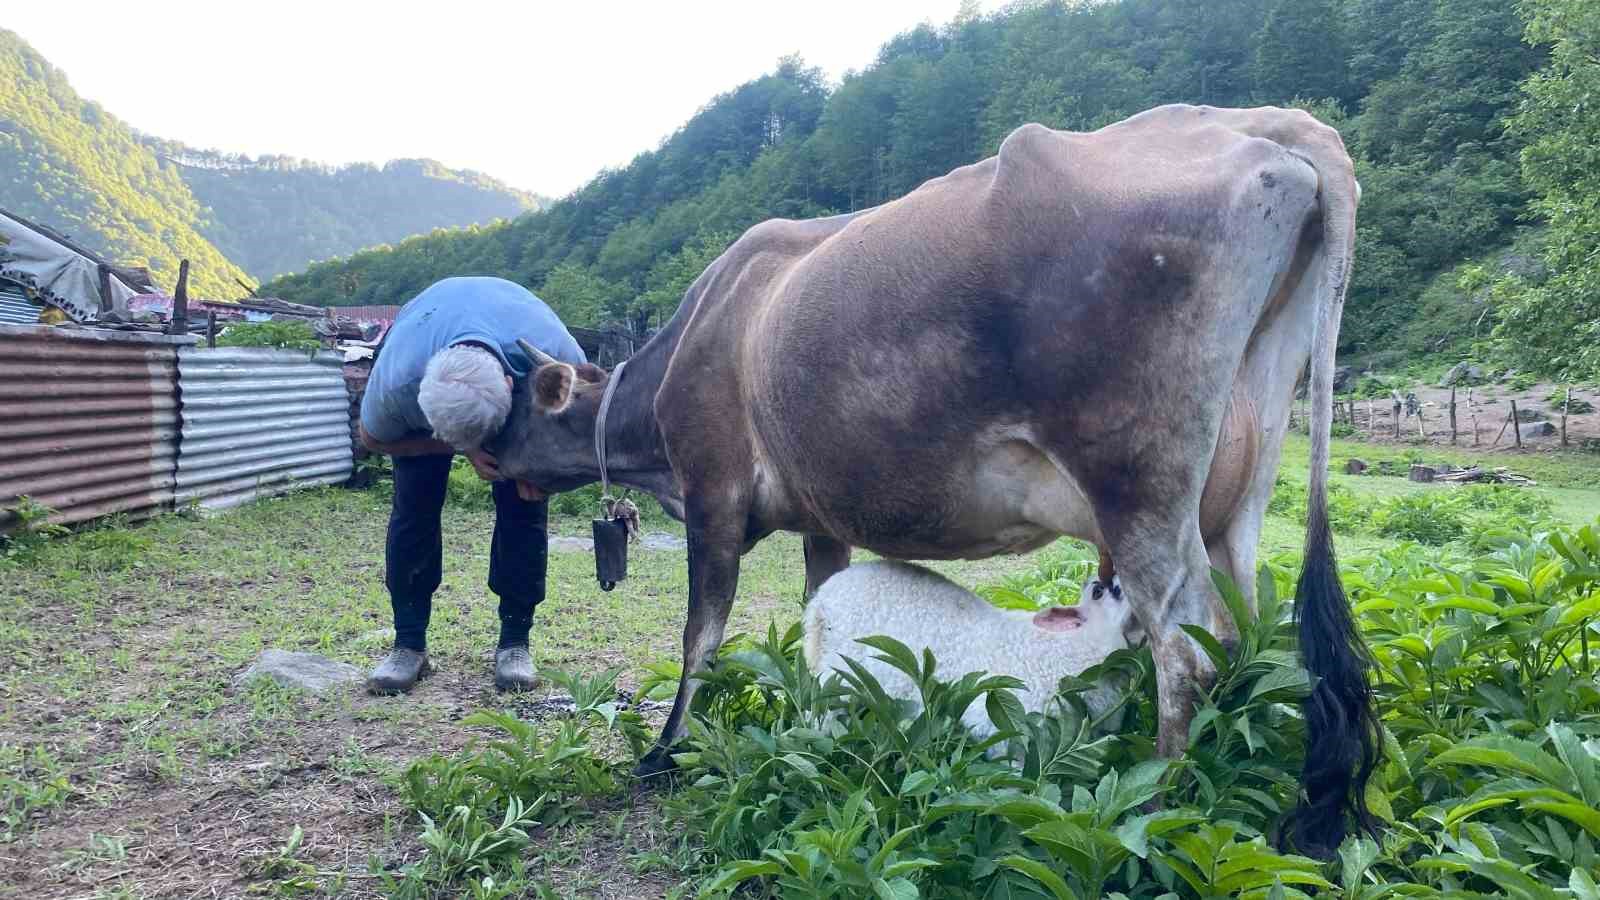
{"points": [[636, 456]]}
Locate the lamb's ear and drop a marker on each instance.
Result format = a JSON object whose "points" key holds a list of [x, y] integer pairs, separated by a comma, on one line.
{"points": [[1059, 618]]}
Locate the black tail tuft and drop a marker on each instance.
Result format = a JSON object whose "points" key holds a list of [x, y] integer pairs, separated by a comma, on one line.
{"points": [[1342, 745]]}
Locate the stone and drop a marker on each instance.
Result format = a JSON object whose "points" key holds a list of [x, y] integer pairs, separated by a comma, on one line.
{"points": [[1355, 467], [1541, 429], [564, 544], [661, 540], [1525, 414], [1423, 473], [1341, 378], [306, 671], [1461, 372]]}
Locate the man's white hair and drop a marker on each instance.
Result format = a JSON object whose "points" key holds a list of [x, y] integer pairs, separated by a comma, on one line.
{"points": [[464, 395]]}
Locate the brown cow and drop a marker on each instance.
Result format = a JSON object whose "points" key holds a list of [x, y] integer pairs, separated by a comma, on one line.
{"points": [[1043, 343]]}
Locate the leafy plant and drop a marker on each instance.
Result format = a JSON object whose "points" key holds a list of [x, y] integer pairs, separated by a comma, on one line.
{"points": [[285, 335]]}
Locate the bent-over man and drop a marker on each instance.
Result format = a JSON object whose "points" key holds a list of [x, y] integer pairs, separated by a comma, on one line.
{"points": [[442, 384]]}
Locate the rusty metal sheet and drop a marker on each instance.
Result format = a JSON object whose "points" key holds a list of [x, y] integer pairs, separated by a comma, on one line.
{"points": [[257, 422], [88, 421]]}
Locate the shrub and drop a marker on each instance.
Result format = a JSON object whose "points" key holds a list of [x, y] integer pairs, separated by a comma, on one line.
{"points": [[1522, 381], [1427, 518], [280, 335], [793, 785]]}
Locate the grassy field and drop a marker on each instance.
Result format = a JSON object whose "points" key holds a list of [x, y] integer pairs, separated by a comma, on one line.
{"points": [[132, 765]]}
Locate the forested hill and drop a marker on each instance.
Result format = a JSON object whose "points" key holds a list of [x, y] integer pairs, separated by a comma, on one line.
{"points": [[274, 214], [67, 163], [1421, 89]]}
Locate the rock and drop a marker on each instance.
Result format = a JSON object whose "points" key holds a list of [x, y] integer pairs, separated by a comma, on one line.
{"points": [[1354, 467], [1341, 378], [564, 544], [660, 540], [1461, 372], [1423, 473], [1525, 414], [306, 671], [1541, 429]]}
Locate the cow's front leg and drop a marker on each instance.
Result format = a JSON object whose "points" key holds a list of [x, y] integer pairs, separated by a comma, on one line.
{"points": [[714, 545], [825, 558]]}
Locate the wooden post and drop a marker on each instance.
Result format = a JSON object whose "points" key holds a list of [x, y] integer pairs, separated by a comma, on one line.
{"points": [[180, 302], [1421, 429], [105, 288], [1396, 399], [1516, 423], [1372, 422], [1566, 405], [1472, 409], [211, 328], [1452, 417]]}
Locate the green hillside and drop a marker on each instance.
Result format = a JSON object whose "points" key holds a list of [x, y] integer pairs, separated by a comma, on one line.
{"points": [[67, 163], [275, 214], [1420, 88]]}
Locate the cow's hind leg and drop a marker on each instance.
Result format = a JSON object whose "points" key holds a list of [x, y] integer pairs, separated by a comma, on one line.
{"points": [[714, 545], [1166, 572], [825, 558]]}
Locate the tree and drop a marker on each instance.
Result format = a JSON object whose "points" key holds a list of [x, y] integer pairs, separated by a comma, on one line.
{"points": [[1553, 325]]}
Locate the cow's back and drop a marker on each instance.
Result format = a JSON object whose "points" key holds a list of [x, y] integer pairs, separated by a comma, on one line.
{"points": [[1021, 300]]}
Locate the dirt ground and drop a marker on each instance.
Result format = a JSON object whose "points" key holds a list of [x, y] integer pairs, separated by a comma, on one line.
{"points": [[132, 765], [1489, 409]]}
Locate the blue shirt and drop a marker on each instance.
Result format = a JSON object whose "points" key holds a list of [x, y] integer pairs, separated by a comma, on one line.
{"points": [[490, 311]]}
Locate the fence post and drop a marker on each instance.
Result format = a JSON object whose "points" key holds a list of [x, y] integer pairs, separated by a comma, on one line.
{"points": [[1503, 426], [1472, 408], [1372, 422], [211, 328], [1566, 404], [1395, 397], [1452, 417], [179, 323], [1516, 423]]}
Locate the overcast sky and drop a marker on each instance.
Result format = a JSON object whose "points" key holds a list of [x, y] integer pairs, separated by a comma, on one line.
{"points": [[540, 95]]}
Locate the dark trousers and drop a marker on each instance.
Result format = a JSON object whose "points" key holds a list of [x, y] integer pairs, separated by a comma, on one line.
{"points": [[415, 549]]}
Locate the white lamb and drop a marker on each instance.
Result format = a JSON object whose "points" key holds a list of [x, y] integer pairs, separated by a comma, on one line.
{"points": [[922, 609]]}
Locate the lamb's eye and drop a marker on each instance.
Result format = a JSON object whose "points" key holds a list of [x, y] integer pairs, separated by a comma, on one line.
{"points": [[1099, 591], [1116, 591]]}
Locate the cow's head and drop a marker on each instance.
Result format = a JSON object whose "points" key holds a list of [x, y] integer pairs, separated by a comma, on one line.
{"points": [[548, 439]]}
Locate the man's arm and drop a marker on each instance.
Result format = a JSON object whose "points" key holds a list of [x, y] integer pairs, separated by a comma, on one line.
{"points": [[405, 446]]}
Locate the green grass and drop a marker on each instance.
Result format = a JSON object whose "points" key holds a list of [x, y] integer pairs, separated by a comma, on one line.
{"points": [[119, 716]]}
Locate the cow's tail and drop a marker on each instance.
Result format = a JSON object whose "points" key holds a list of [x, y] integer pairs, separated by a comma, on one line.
{"points": [[1342, 741]]}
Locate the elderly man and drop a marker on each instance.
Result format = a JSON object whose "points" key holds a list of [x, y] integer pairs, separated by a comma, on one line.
{"points": [[442, 384]]}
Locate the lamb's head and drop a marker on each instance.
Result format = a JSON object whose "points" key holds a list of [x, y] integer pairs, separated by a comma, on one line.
{"points": [[1102, 610]]}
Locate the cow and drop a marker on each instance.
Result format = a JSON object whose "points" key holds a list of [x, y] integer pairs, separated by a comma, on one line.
{"points": [[1047, 342]]}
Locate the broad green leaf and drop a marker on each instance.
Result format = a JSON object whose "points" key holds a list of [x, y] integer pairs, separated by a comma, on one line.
{"points": [[741, 871], [1504, 752], [1462, 601], [1582, 885], [1293, 680], [1041, 873], [894, 889], [1586, 817], [918, 783]]}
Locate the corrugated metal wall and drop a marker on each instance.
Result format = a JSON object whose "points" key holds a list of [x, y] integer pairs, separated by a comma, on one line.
{"points": [[15, 307], [259, 422], [88, 421]]}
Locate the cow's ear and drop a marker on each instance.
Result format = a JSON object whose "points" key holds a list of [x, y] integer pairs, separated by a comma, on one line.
{"points": [[1059, 618], [552, 387]]}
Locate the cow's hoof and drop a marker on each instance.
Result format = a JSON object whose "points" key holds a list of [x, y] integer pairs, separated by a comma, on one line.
{"points": [[657, 765]]}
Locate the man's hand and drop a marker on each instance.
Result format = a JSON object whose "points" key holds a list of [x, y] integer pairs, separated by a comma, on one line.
{"points": [[485, 464]]}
